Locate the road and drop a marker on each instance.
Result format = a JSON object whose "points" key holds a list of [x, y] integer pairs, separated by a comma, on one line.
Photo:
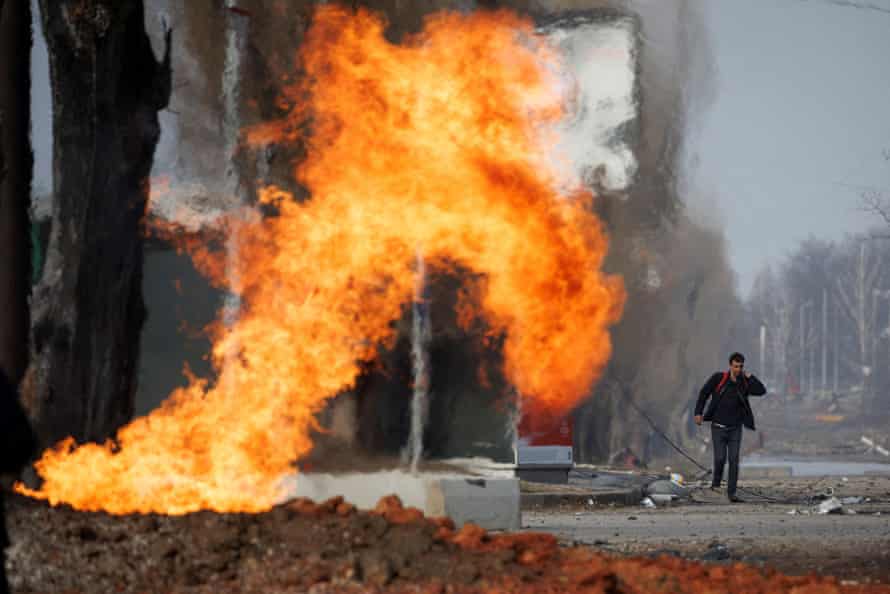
{"points": [[790, 537]]}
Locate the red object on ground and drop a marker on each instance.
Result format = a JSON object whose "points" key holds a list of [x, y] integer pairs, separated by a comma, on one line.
{"points": [[540, 428]]}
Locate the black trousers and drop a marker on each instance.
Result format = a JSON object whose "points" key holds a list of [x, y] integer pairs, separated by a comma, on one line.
{"points": [[727, 441]]}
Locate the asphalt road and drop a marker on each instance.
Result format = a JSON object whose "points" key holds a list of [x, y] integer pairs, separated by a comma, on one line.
{"points": [[790, 537]]}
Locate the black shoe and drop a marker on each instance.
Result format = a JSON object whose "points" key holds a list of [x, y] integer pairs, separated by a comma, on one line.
{"points": [[734, 499]]}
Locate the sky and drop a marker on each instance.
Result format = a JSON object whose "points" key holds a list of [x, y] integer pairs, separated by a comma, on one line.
{"points": [[799, 123]]}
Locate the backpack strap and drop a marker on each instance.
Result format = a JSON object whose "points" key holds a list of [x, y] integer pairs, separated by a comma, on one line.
{"points": [[722, 383]]}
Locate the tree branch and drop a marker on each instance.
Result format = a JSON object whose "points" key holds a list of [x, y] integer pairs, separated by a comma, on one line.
{"points": [[856, 5], [877, 203]]}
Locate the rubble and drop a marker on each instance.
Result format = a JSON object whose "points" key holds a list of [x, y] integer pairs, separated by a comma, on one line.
{"points": [[667, 487], [716, 552], [331, 547], [830, 506]]}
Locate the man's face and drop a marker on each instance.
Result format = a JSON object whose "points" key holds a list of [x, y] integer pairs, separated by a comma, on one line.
{"points": [[736, 368]]}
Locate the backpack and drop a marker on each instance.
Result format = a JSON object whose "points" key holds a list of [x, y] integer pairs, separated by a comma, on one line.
{"points": [[725, 379]]}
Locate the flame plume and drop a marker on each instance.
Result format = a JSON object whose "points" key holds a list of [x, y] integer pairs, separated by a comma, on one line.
{"points": [[441, 142]]}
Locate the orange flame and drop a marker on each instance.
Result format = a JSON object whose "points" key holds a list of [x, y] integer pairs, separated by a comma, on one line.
{"points": [[438, 144]]}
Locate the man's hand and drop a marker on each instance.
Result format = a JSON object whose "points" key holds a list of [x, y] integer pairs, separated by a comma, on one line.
{"points": [[747, 375], [697, 419]]}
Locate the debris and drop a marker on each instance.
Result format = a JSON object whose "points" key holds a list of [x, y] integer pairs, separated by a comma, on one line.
{"points": [[793, 512], [827, 494], [677, 479], [666, 487], [830, 506], [851, 500], [662, 498], [646, 502], [717, 551], [872, 446], [590, 502], [848, 512]]}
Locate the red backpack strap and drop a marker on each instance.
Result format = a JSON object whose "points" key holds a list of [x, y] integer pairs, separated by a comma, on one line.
{"points": [[722, 383]]}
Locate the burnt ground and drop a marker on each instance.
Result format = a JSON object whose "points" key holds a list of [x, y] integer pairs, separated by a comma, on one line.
{"points": [[303, 547]]}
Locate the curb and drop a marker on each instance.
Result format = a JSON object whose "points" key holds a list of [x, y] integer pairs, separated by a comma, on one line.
{"points": [[533, 501]]}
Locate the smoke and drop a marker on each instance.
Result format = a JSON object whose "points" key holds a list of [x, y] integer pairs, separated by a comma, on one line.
{"points": [[599, 57]]}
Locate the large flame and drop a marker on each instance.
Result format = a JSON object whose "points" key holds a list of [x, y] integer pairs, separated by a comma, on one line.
{"points": [[438, 144]]}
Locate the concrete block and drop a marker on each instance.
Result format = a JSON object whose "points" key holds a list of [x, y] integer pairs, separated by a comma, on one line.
{"points": [[492, 503]]}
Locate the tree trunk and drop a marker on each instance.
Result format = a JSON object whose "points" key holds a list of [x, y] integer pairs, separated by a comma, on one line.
{"points": [[15, 185], [88, 309]]}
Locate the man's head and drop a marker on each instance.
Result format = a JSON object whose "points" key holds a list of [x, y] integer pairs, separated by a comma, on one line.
{"points": [[736, 363]]}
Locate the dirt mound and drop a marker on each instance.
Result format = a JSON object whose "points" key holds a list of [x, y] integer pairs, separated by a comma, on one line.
{"points": [[332, 547]]}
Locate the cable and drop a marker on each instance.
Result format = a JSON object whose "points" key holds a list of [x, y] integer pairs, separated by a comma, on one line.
{"points": [[666, 438], [683, 453]]}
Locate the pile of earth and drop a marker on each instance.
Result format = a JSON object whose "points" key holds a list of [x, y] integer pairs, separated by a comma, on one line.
{"points": [[332, 547]]}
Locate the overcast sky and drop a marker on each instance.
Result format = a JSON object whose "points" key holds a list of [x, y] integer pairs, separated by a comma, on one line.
{"points": [[800, 120]]}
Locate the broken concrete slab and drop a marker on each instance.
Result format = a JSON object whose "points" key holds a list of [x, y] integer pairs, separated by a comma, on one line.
{"points": [[490, 502]]}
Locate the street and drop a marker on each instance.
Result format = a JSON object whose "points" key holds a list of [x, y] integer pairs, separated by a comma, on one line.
{"points": [[791, 537]]}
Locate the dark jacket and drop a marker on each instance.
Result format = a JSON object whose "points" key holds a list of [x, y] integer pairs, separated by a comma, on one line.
{"points": [[17, 441], [750, 386]]}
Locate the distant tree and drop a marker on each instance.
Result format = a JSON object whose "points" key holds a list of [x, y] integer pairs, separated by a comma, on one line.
{"points": [[858, 289], [771, 307], [876, 200]]}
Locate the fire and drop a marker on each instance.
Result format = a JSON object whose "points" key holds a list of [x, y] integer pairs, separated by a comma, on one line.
{"points": [[439, 144]]}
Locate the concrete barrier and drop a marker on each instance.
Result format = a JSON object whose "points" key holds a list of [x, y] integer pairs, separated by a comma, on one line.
{"points": [[492, 503]]}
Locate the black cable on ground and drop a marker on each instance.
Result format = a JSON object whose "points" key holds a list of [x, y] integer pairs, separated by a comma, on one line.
{"points": [[663, 435], [683, 453]]}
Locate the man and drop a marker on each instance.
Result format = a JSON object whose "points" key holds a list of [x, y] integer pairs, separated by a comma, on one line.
{"points": [[728, 411], [17, 445]]}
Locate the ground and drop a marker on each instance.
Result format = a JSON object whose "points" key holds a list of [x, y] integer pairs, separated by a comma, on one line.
{"points": [[790, 537], [304, 547], [573, 539]]}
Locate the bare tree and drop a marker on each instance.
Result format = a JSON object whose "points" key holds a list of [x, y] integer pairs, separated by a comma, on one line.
{"points": [[876, 200], [87, 308], [857, 291], [772, 306]]}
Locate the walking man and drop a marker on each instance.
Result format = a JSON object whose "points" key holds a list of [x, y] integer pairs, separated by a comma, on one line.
{"points": [[727, 412]]}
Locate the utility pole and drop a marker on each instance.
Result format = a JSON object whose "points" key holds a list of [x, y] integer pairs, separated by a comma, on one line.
{"points": [[811, 362], [802, 330], [762, 369], [824, 340], [834, 351]]}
